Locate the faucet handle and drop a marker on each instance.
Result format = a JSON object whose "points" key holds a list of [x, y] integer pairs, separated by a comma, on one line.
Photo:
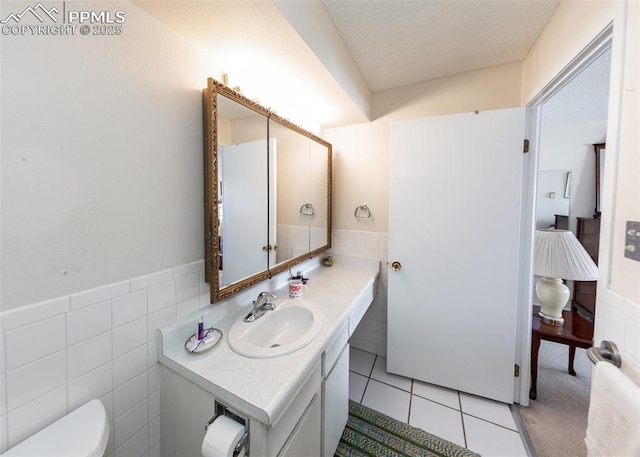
{"points": [[262, 296], [266, 304], [260, 306], [262, 299]]}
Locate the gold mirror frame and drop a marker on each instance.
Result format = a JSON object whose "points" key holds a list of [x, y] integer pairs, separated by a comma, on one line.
{"points": [[211, 192]]}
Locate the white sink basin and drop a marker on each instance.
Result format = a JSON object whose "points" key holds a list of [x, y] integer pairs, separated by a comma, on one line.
{"points": [[289, 327]]}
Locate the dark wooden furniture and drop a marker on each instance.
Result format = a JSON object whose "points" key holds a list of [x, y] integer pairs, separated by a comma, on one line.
{"points": [[600, 150], [562, 222], [577, 332], [584, 292]]}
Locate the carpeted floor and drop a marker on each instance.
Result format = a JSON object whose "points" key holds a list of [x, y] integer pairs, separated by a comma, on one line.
{"points": [[557, 420]]}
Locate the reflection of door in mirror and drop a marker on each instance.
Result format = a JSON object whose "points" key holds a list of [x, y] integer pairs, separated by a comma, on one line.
{"points": [[243, 210], [242, 191]]}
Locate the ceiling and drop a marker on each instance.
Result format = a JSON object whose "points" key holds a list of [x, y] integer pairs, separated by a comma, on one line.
{"points": [[343, 50], [570, 105], [396, 43]]}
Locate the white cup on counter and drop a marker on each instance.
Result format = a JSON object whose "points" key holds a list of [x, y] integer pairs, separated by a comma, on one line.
{"points": [[297, 289]]}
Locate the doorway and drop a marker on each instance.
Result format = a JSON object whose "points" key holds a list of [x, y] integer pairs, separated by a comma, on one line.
{"points": [[566, 123]]}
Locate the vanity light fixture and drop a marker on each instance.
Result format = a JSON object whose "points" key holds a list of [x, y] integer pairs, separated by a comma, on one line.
{"points": [[559, 255]]}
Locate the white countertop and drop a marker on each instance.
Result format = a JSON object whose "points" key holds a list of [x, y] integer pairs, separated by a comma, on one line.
{"points": [[263, 388]]}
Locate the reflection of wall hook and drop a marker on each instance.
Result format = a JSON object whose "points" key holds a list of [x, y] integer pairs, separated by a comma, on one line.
{"points": [[307, 209], [362, 212]]}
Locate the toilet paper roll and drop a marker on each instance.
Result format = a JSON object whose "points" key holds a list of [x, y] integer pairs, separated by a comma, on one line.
{"points": [[221, 437]]}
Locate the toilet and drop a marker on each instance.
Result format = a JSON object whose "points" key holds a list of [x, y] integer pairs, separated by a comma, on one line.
{"points": [[83, 432]]}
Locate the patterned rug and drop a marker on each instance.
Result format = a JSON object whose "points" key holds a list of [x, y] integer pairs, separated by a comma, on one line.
{"points": [[370, 433]]}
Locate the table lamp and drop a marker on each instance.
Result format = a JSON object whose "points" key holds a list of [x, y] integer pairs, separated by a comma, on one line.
{"points": [[559, 255]]}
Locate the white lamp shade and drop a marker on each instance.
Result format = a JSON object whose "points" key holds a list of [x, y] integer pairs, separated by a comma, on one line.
{"points": [[559, 254]]}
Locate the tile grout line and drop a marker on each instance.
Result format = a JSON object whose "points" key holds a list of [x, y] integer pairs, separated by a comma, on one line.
{"points": [[369, 378], [410, 402], [493, 423], [464, 430]]}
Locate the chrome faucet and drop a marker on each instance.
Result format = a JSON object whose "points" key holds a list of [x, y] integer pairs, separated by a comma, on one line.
{"points": [[260, 306]]}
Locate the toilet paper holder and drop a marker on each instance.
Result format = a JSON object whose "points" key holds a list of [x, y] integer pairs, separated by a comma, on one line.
{"points": [[223, 410]]}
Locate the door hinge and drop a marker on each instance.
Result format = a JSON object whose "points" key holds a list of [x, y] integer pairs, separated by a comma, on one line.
{"points": [[525, 148], [516, 370]]}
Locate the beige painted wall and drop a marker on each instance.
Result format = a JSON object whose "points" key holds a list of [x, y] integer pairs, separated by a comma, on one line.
{"points": [[361, 152], [101, 157], [571, 28]]}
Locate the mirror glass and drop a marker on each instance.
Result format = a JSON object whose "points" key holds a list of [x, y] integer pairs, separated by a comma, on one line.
{"points": [[293, 214], [243, 205], [267, 192], [319, 189]]}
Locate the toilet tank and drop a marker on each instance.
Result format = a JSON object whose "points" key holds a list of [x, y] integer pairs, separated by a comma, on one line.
{"points": [[83, 432]]}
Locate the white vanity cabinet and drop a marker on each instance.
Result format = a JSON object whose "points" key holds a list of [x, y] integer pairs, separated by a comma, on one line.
{"points": [[296, 404], [299, 426], [335, 392], [305, 439], [186, 408]]}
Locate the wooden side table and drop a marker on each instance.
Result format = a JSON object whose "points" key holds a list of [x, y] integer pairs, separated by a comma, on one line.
{"points": [[577, 332]]}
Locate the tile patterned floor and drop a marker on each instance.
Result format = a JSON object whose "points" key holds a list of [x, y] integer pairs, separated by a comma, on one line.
{"points": [[483, 426]]}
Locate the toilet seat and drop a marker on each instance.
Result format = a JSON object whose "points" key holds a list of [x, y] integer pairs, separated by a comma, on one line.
{"points": [[83, 432]]}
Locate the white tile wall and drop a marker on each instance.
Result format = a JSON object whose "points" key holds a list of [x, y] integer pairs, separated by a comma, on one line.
{"points": [[88, 355], [58, 354], [94, 384], [31, 342], [128, 308], [620, 322], [371, 335], [131, 422], [293, 240], [27, 382], [88, 322]]}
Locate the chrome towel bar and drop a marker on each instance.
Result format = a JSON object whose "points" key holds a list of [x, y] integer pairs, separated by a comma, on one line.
{"points": [[362, 212], [307, 209], [607, 352]]}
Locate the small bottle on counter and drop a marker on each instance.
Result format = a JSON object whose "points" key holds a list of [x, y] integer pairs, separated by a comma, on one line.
{"points": [[200, 334]]}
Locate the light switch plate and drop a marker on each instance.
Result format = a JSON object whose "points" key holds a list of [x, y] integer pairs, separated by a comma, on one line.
{"points": [[632, 241]]}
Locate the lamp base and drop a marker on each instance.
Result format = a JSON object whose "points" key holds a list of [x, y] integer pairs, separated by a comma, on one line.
{"points": [[553, 296], [555, 321]]}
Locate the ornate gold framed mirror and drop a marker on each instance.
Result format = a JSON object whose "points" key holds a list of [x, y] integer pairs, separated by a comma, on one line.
{"points": [[267, 192]]}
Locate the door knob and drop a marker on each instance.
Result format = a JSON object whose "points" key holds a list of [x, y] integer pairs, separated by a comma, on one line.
{"points": [[396, 266]]}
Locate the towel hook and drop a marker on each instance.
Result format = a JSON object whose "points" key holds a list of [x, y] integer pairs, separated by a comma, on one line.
{"points": [[307, 209], [362, 212]]}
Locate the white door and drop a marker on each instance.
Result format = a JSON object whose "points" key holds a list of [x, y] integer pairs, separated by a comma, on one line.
{"points": [[244, 210], [455, 207]]}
